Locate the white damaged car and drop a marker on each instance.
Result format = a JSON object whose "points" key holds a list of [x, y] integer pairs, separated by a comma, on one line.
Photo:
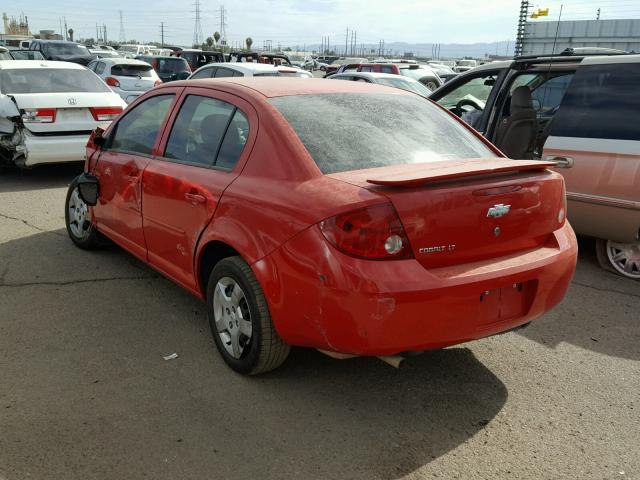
{"points": [[48, 110]]}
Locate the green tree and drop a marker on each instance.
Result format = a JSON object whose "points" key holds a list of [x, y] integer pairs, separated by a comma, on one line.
{"points": [[249, 42], [216, 37], [209, 41]]}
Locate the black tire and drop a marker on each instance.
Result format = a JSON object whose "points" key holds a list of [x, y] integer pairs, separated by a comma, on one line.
{"points": [[92, 238], [265, 350]]}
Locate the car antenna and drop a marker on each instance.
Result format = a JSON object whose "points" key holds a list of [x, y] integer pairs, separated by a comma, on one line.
{"points": [[553, 51]]}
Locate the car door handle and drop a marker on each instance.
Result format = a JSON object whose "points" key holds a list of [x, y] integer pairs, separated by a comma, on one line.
{"points": [[195, 198], [561, 162]]}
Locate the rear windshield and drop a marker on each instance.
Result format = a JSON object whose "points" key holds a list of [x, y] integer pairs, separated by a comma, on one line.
{"points": [[353, 131], [50, 80], [140, 71], [65, 49], [170, 65]]}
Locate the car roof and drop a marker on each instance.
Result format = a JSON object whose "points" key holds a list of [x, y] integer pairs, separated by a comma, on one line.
{"points": [[243, 66], [36, 64], [283, 86], [373, 75], [609, 59]]}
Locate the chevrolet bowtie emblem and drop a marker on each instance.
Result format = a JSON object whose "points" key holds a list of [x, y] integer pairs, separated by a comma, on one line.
{"points": [[499, 210]]}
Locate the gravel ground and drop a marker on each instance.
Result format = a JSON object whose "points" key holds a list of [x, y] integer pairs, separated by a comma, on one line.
{"points": [[86, 394]]}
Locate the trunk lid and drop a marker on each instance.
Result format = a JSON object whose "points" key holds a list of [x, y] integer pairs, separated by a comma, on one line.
{"points": [[72, 109], [463, 211]]}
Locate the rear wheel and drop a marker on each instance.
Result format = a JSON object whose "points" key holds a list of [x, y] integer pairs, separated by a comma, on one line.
{"points": [[77, 217], [620, 258], [240, 320]]}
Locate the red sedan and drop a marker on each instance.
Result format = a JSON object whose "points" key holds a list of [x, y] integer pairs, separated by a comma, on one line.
{"points": [[352, 218]]}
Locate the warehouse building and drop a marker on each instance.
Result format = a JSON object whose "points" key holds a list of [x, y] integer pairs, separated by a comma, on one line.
{"points": [[539, 37]]}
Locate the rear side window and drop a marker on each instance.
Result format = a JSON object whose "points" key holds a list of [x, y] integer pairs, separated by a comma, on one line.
{"points": [[140, 71], [224, 72], [343, 131], [50, 80], [137, 131], [602, 102], [204, 73]]}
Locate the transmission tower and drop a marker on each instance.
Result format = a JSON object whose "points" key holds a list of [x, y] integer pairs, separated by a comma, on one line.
{"points": [[522, 22], [222, 16], [121, 37], [197, 29]]}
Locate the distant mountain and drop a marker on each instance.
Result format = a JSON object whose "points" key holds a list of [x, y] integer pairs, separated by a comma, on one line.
{"points": [[446, 50]]}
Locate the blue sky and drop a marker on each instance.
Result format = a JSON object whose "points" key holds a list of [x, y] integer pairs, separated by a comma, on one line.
{"points": [[297, 22]]}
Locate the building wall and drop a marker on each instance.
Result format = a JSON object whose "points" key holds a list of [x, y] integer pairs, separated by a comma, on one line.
{"points": [[620, 34]]}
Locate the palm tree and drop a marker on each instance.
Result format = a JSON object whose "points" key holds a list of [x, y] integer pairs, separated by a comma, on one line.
{"points": [[216, 37], [249, 42], [209, 41]]}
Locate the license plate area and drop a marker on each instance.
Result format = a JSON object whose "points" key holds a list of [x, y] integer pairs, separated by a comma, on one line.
{"points": [[505, 303]]}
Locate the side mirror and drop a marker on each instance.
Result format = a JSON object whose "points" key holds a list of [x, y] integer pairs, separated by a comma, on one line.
{"points": [[97, 139], [490, 82], [537, 105], [88, 189]]}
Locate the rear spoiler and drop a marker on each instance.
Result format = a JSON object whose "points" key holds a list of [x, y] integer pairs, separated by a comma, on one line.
{"points": [[417, 174]]}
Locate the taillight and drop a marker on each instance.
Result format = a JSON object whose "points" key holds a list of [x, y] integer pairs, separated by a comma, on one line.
{"points": [[157, 82], [39, 115], [112, 82], [562, 211], [374, 233], [105, 114]]}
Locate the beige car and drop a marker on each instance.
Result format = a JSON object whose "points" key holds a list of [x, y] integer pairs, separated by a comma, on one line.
{"points": [[595, 139]]}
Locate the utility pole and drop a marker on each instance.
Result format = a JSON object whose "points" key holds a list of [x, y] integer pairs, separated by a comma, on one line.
{"points": [[522, 22], [598, 15], [104, 36], [61, 33], [121, 36], [162, 34], [222, 14], [65, 29], [346, 42]]}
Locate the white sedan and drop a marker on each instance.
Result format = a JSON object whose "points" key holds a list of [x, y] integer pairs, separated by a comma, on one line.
{"points": [[247, 69], [388, 79], [128, 78], [48, 110]]}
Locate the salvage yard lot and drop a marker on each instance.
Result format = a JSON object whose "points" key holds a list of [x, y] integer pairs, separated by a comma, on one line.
{"points": [[85, 392]]}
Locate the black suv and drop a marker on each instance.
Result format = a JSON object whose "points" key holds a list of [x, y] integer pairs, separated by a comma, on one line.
{"points": [[63, 51]]}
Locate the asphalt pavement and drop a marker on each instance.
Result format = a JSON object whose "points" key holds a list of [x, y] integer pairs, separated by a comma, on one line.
{"points": [[86, 394]]}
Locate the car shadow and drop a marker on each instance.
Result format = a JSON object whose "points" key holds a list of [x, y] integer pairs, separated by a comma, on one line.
{"points": [[599, 313], [95, 356], [13, 179]]}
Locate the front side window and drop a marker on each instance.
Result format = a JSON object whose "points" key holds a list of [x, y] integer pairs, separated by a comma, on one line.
{"points": [[353, 131], [602, 101], [207, 132], [137, 131]]}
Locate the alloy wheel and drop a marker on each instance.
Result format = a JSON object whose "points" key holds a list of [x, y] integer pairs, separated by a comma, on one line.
{"points": [[625, 258]]}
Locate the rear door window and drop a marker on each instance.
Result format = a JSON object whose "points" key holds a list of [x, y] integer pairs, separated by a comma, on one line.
{"points": [[602, 101], [224, 72], [137, 131], [207, 132]]}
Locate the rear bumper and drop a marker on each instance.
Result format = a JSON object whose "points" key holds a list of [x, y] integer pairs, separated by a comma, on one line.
{"points": [[54, 149], [320, 298]]}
